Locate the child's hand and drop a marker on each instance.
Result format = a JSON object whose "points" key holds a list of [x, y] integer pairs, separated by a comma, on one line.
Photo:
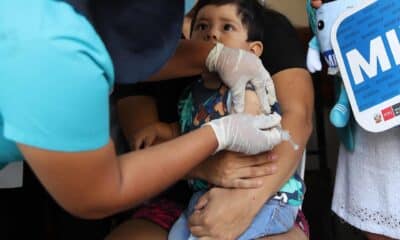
{"points": [[316, 3], [144, 137], [153, 134]]}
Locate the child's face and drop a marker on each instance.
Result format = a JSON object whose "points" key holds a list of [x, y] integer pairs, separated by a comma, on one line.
{"points": [[221, 24]]}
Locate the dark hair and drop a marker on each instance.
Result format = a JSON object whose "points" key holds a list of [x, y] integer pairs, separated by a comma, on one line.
{"points": [[250, 11]]}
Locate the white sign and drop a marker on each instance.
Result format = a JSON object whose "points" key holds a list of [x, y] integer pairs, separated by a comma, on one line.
{"points": [[366, 43]]}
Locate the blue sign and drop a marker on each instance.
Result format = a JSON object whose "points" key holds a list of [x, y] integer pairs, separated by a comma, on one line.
{"points": [[366, 43]]}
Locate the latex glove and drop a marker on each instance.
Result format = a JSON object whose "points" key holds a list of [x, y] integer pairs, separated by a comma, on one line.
{"points": [[313, 60], [235, 170], [236, 67], [246, 133], [223, 213]]}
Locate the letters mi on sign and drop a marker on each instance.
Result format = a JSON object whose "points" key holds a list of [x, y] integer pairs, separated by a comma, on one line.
{"points": [[366, 41]]}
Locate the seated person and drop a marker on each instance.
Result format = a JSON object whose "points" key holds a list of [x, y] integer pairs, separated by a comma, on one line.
{"points": [[282, 69], [235, 25]]}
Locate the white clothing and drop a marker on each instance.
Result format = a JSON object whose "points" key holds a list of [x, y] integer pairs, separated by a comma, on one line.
{"points": [[367, 185]]}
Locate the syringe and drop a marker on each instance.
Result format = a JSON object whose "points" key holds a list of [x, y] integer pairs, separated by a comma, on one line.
{"points": [[285, 135]]}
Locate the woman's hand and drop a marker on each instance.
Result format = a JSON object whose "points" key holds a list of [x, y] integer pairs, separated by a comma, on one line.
{"points": [[234, 205], [246, 133], [235, 170], [236, 68]]}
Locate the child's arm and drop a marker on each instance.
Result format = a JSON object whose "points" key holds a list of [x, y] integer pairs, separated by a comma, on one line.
{"points": [[154, 134], [251, 103], [139, 121], [135, 113]]}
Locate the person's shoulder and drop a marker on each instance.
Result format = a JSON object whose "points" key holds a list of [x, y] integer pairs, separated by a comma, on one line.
{"points": [[282, 48]]}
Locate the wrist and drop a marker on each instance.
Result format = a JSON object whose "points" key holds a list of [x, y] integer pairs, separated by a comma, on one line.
{"points": [[255, 196], [208, 132], [218, 133]]}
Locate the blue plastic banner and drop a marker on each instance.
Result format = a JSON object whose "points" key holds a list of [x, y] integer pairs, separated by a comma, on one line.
{"points": [[366, 42]]}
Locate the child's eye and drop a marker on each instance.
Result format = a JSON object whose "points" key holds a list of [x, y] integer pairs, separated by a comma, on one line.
{"points": [[201, 27], [228, 27]]}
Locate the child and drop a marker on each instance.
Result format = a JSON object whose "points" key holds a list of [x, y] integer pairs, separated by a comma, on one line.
{"points": [[237, 24]]}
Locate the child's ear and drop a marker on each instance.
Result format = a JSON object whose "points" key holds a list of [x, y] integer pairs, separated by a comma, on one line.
{"points": [[256, 47]]}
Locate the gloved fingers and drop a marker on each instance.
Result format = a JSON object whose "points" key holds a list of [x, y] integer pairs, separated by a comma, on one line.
{"points": [[260, 89], [270, 89], [267, 121], [272, 137], [238, 92], [212, 58]]}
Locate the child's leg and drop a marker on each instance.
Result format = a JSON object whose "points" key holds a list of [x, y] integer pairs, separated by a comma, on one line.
{"points": [[180, 229], [138, 229], [274, 218]]}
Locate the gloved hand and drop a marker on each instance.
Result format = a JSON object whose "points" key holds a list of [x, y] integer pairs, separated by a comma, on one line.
{"points": [[236, 67], [246, 133]]}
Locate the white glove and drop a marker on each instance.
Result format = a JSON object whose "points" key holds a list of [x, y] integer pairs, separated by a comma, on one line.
{"points": [[246, 133], [236, 67], [313, 60]]}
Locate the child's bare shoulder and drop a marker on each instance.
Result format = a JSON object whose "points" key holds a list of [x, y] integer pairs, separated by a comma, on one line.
{"points": [[252, 103]]}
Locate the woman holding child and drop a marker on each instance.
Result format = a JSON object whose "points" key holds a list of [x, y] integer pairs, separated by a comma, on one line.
{"points": [[229, 218]]}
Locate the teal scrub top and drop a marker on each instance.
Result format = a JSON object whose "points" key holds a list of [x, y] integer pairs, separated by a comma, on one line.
{"points": [[55, 79]]}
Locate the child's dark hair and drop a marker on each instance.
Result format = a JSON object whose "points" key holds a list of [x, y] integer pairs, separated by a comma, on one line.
{"points": [[250, 11]]}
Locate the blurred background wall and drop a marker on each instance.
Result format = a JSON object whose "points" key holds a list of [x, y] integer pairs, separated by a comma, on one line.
{"points": [[294, 9]]}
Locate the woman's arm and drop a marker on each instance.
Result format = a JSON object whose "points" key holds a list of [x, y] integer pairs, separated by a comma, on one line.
{"points": [[97, 183], [295, 96], [188, 60]]}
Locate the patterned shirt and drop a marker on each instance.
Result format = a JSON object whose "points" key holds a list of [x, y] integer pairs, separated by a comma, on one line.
{"points": [[199, 105]]}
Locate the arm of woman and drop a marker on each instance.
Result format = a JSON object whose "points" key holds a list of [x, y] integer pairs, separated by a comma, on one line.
{"points": [[295, 95], [97, 183], [184, 63], [57, 111]]}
